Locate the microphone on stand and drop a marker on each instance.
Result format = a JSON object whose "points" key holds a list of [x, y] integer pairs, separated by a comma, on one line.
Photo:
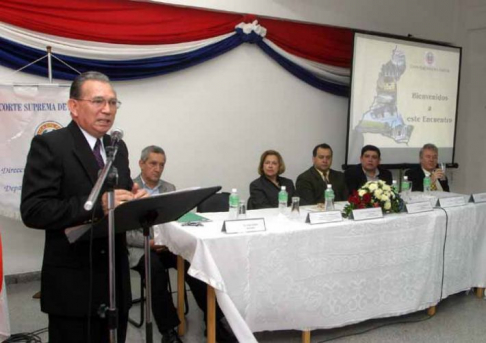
{"points": [[116, 137], [111, 150]]}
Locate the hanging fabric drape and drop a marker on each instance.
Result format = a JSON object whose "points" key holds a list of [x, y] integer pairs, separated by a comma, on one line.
{"points": [[132, 40]]}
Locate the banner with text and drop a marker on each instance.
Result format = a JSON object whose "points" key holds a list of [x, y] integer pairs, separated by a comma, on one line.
{"points": [[25, 111], [4, 316]]}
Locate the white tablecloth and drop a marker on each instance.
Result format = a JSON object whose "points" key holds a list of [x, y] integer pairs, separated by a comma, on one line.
{"points": [[298, 276]]}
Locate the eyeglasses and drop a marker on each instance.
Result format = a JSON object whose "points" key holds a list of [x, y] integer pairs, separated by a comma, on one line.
{"points": [[101, 102]]}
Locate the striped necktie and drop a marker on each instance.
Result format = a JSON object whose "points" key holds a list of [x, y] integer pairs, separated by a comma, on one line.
{"points": [[97, 154]]}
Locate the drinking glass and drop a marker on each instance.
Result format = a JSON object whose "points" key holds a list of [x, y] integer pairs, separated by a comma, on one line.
{"points": [[242, 209], [295, 210], [443, 166]]}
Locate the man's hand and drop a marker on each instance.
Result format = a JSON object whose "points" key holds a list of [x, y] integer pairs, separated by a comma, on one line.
{"points": [[122, 195], [139, 193], [437, 174], [157, 248]]}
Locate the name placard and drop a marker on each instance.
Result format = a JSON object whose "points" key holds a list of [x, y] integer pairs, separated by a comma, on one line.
{"points": [[244, 225], [478, 197], [452, 201], [417, 207], [368, 213], [322, 217]]}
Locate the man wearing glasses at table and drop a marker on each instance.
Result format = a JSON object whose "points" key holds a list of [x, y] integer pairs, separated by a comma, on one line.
{"points": [[62, 168], [429, 156]]}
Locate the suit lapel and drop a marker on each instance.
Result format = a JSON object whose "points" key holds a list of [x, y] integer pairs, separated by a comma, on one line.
{"points": [[84, 153], [332, 178], [317, 176], [362, 175], [421, 173]]}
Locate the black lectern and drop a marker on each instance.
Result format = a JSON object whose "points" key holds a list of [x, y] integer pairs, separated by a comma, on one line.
{"points": [[144, 213]]}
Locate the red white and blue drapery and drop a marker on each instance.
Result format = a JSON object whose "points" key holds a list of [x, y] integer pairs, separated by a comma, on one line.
{"points": [[131, 40]]}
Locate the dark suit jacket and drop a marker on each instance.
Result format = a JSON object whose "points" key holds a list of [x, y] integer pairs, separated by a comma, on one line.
{"points": [[60, 173], [264, 193], [356, 178], [416, 176], [310, 186]]}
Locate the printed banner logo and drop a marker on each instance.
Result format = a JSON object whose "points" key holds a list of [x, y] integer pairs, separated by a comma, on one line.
{"points": [[47, 126]]}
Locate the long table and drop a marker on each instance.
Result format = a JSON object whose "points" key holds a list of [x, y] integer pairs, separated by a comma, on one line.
{"points": [[306, 277]]}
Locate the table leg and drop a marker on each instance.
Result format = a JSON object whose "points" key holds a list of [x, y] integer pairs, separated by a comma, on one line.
{"points": [[480, 292], [306, 336], [431, 310], [181, 330], [211, 325]]}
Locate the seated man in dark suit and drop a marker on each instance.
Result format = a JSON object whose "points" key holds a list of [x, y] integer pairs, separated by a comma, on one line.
{"points": [[312, 183], [368, 170], [429, 155]]}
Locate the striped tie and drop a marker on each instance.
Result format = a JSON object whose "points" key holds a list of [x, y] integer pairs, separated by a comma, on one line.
{"points": [[97, 154]]}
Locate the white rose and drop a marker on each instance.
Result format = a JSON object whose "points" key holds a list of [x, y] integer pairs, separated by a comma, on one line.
{"points": [[361, 192], [387, 205], [373, 186], [385, 198], [386, 188], [378, 193]]}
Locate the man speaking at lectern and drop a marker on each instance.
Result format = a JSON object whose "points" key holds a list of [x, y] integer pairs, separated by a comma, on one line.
{"points": [[62, 168]]}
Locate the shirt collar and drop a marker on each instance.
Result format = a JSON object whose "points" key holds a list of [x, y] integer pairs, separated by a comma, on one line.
{"points": [[154, 190], [325, 175], [91, 139], [369, 177]]}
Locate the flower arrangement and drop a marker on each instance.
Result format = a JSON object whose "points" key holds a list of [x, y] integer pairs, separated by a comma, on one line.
{"points": [[374, 194]]}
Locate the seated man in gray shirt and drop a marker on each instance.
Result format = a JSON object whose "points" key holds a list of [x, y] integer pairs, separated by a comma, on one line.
{"points": [[152, 163]]}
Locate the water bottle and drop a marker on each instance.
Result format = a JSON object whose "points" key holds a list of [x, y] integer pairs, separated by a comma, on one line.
{"points": [[405, 184], [395, 186], [234, 202], [427, 183], [283, 198], [329, 198]]}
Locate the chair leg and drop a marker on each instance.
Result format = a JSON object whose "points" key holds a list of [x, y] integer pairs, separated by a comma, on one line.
{"points": [[186, 302], [140, 300]]}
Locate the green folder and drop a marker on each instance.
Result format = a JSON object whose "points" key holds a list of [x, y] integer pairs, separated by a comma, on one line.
{"points": [[192, 217]]}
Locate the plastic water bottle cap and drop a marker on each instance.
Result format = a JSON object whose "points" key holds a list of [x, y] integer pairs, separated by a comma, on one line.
{"points": [[405, 178], [233, 190], [329, 186], [283, 188], [394, 181]]}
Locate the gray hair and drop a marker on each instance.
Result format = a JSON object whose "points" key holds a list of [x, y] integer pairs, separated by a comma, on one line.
{"points": [[428, 146], [151, 149], [75, 91]]}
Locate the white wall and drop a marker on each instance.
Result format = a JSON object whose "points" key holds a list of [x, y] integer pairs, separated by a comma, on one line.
{"points": [[471, 140], [215, 119]]}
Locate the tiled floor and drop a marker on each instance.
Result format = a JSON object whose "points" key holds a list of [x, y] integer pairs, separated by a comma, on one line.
{"points": [[460, 318]]}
